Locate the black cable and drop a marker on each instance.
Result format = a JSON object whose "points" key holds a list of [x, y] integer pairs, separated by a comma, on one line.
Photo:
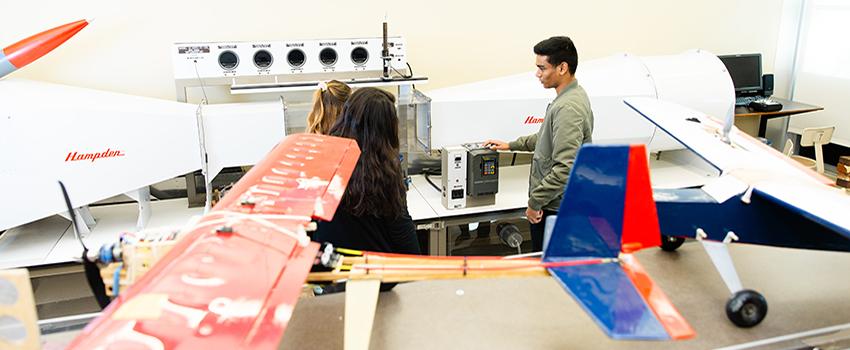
{"points": [[430, 172], [410, 69], [427, 178], [402, 75], [513, 159]]}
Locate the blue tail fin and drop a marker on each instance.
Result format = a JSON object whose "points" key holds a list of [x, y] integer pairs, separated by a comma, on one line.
{"points": [[606, 213]]}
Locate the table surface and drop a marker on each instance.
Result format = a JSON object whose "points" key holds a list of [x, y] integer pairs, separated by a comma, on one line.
{"points": [[788, 108], [513, 194], [674, 169]]}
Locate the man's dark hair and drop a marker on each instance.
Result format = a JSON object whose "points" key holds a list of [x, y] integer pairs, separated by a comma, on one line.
{"points": [[558, 49]]}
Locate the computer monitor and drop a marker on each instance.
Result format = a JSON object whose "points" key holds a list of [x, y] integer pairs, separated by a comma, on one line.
{"points": [[745, 70]]}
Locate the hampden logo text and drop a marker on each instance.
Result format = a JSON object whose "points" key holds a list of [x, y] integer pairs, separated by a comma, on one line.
{"points": [[532, 120], [75, 156]]}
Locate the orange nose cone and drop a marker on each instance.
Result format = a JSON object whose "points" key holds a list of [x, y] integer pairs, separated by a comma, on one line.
{"points": [[30, 49]]}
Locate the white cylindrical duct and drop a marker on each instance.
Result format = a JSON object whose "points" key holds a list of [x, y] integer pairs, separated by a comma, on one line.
{"points": [[502, 108]]}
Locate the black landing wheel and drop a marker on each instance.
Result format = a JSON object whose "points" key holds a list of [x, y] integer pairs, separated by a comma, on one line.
{"points": [[746, 308], [671, 243]]}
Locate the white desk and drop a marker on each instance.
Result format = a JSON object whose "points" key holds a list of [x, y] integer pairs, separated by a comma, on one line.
{"points": [[672, 169], [426, 208], [513, 193], [417, 206]]}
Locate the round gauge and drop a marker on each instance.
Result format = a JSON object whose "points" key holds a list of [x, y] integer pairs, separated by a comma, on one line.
{"points": [[263, 59], [296, 58], [359, 55], [327, 56], [228, 60]]}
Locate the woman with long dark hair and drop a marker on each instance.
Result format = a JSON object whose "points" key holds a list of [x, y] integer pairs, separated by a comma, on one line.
{"points": [[373, 212]]}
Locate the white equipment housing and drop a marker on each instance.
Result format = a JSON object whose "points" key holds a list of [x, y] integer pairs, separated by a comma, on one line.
{"points": [[453, 178], [292, 57], [102, 144], [509, 107]]}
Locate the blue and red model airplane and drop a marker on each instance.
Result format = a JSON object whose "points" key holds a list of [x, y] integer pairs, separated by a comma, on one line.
{"points": [[762, 197], [610, 213]]}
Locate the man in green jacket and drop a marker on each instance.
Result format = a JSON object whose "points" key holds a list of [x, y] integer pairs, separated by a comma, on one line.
{"points": [[567, 125]]}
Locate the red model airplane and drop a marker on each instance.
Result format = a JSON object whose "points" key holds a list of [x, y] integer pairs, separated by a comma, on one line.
{"points": [[233, 279]]}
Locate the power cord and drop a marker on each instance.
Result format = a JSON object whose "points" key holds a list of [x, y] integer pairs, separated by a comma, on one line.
{"points": [[427, 173], [410, 69], [402, 75], [203, 88]]}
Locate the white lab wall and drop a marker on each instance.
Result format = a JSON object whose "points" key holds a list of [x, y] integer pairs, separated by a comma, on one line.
{"points": [[786, 47], [126, 48], [822, 76]]}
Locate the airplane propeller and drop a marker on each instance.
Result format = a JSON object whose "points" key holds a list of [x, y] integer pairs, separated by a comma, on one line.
{"points": [[89, 265]]}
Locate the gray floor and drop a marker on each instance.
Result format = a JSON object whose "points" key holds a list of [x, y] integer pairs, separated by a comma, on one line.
{"points": [[805, 290]]}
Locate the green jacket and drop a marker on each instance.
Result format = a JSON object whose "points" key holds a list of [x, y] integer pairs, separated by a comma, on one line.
{"points": [[567, 125]]}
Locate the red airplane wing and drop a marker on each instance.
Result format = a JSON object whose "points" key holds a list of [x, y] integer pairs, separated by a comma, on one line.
{"points": [[232, 281]]}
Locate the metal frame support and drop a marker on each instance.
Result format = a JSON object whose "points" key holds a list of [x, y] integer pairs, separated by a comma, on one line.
{"points": [[719, 254], [143, 196], [84, 218], [437, 238]]}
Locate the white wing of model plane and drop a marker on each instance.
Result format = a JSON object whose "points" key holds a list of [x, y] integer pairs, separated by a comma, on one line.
{"points": [[750, 162]]}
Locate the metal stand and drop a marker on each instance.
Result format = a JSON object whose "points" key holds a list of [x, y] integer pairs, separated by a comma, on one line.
{"points": [[84, 217], [143, 196]]}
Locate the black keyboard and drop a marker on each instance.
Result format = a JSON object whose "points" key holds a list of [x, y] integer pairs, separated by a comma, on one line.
{"points": [[745, 100]]}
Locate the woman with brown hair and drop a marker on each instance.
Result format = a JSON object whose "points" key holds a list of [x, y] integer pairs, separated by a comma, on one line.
{"points": [[327, 105], [372, 214]]}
